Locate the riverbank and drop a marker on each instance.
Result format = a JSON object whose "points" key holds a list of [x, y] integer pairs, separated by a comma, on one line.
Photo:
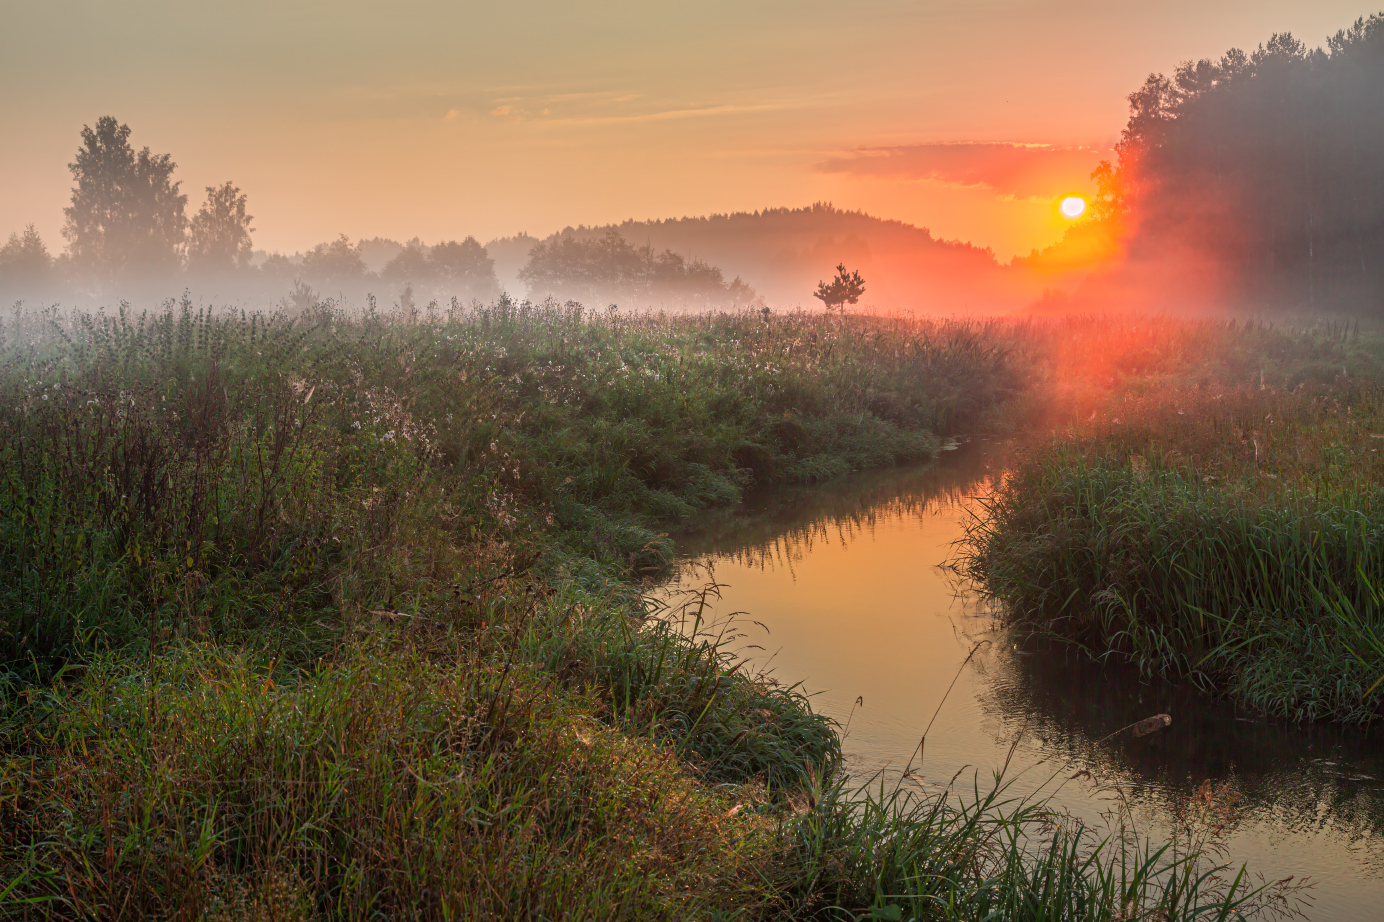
{"points": [[1222, 527], [845, 588], [337, 616]]}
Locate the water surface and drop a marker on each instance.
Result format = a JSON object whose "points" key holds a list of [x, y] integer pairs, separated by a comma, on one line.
{"points": [[844, 589]]}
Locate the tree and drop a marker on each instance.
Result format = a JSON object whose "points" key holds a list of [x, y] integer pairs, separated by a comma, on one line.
{"points": [[24, 261], [1263, 168], [279, 267], [408, 265], [218, 236], [126, 214], [466, 266], [743, 295], [845, 289], [337, 261]]}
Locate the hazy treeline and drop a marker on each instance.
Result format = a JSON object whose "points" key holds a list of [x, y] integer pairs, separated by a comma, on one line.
{"points": [[1264, 167], [128, 234], [446, 269], [787, 251], [1248, 180], [610, 268]]}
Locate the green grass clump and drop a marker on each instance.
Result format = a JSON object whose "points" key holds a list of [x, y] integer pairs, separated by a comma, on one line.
{"points": [[1226, 532], [211, 784], [986, 855]]}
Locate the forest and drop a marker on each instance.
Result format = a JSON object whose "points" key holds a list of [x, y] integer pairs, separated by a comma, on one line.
{"points": [[1259, 170]]}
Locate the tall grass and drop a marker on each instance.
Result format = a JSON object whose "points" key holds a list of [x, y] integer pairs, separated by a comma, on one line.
{"points": [[1225, 530], [207, 783], [333, 615], [196, 474], [983, 854]]}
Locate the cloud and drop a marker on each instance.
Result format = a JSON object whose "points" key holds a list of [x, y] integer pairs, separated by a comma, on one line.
{"points": [[659, 115], [1020, 170]]}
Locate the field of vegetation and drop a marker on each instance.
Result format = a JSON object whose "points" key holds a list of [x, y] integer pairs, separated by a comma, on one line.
{"points": [[1212, 509], [339, 616]]}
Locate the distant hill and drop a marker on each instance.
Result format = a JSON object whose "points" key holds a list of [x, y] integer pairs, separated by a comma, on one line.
{"points": [[784, 252]]}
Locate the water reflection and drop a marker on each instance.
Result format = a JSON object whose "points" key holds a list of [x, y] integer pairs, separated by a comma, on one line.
{"points": [[1302, 779], [847, 595]]}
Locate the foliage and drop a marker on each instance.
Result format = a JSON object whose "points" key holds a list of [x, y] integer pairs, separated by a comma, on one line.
{"points": [[24, 261], [982, 854], [337, 261], [608, 267], [462, 269], [210, 474], [781, 252], [1259, 161], [328, 615], [210, 783], [218, 236], [845, 289], [126, 214]]}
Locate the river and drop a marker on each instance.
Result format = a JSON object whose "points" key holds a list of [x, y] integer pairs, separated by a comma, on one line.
{"points": [[845, 588]]}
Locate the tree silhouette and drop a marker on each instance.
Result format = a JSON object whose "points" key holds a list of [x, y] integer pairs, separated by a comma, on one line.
{"points": [[24, 261], [605, 268], [465, 268], [337, 261], [845, 289], [1265, 163], [127, 213], [218, 236], [408, 265]]}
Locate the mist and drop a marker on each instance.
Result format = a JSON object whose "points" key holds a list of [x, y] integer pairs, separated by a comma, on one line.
{"points": [[1246, 182]]}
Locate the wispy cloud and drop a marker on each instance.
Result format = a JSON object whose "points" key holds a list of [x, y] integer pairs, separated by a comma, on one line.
{"points": [[662, 114], [609, 107], [1010, 169]]}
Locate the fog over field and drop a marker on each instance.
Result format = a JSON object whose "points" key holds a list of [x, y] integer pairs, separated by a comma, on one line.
{"points": [[1241, 180], [772, 462]]}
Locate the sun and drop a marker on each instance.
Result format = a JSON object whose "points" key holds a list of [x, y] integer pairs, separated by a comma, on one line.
{"points": [[1073, 206]]}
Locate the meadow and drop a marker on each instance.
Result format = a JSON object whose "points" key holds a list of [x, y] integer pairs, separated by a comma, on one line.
{"points": [[339, 615]]}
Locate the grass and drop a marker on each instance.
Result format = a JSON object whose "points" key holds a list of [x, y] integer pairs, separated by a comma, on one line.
{"points": [[382, 785], [986, 855], [1225, 528], [339, 616]]}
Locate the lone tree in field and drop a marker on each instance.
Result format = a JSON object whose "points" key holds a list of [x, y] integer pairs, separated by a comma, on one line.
{"points": [[218, 236], [845, 289], [127, 213]]}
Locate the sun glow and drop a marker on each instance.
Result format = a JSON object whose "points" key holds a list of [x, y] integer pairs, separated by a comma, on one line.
{"points": [[1073, 206]]}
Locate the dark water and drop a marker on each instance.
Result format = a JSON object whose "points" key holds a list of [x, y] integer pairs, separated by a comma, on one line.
{"points": [[850, 597]]}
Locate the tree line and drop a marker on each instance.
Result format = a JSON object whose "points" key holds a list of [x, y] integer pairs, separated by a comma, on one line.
{"points": [[1265, 163], [127, 224], [609, 268]]}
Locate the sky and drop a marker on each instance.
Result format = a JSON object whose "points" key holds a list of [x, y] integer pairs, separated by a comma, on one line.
{"points": [[445, 119]]}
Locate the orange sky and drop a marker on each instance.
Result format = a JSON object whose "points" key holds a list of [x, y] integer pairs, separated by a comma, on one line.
{"points": [[446, 119]]}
